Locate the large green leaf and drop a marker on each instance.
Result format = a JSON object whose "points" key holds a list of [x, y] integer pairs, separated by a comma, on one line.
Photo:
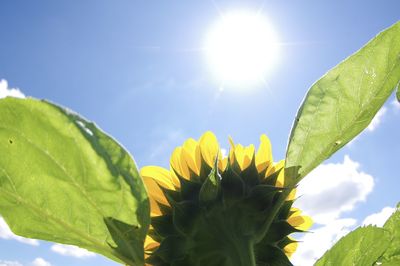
{"points": [[363, 246], [392, 254], [344, 101], [64, 180]]}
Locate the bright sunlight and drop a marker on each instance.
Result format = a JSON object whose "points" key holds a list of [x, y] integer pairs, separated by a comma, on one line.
{"points": [[241, 48]]}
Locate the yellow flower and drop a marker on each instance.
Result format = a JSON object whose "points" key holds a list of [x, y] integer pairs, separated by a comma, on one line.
{"points": [[239, 195]]}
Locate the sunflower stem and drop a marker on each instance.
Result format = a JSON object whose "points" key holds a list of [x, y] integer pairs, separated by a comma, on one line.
{"points": [[274, 212], [245, 253]]}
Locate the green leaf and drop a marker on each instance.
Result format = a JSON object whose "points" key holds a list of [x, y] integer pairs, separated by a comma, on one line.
{"points": [[392, 254], [363, 246], [394, 262], [398, 93], [64, 180], [343, 102]]}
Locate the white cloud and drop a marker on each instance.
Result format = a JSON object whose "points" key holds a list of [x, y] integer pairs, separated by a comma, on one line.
{"points": [[6, 91], [73, 251], [9, 263], [6, 233], [332, 189], [314, 244], [379, 218], [377, 119], [326, 194], [224, 153], [40, 262], [167, 143]]}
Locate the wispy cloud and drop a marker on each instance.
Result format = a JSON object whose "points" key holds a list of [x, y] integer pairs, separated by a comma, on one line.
{"points": [[166, 144], [332, 189], [6, 91], [326, 194], [376, 121], [379, 218], [72, 251], [321, 239], [9, 263], [314, 244], [6, 233], [40, 262]]}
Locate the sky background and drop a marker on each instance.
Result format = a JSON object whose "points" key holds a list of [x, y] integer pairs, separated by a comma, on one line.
{"points": [[138, 69]]}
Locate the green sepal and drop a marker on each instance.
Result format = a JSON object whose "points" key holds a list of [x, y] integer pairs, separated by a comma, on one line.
{"points": [[154, 235], [172, 248], [171, 195], [163, 225], [286, 241], [262, 197], [279, 230], [285, 211], [232, 185], [205, 170], [211, 188], [165, 210], [270, 255], [214, 261], [271, 179], [189, 189], [250, 174], [184, 217], [185, 262], [155, 260], [234, 165]]}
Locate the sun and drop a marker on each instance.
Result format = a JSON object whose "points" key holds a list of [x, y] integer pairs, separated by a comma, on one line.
{"points": [[241, 48]]}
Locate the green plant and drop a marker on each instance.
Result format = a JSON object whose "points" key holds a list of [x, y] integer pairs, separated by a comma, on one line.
{"points": [[62, 179]]}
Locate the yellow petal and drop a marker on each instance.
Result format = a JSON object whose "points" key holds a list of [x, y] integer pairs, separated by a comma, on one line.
{"points": [[292, 195], [295, 212], [154, 208], [179, 164], [290, 249], [209, 148], [280, 181], [308, 222], [248, 155], [244, 155], [150, 243], [264, 154], [154, 191], [277, 167], [232, 150], [191, 155], [301, 222], [272, 168], [222, 164], [161, 176]]}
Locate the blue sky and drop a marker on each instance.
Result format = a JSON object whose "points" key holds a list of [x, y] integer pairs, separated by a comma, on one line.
{"points": [[138, 70]]}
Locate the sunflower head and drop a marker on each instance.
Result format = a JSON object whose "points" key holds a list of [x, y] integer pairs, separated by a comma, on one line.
{"points": [[210, 209]]}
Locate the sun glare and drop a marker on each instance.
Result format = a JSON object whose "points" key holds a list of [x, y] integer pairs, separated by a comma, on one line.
{"points": [[241, 48]]}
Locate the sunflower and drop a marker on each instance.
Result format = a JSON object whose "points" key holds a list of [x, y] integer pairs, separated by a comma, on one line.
{"points": [[209, 209]]}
